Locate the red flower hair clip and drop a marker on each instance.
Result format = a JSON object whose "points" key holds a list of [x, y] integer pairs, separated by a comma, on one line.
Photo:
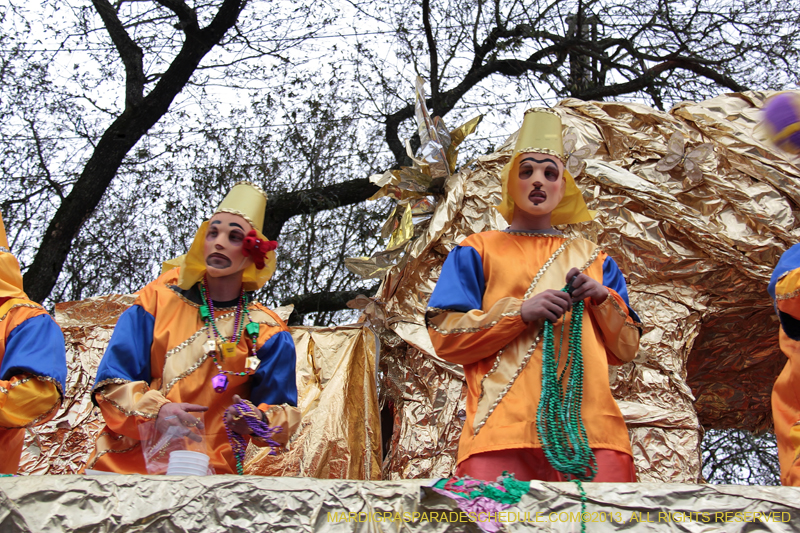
{"points": [[257, 248]]}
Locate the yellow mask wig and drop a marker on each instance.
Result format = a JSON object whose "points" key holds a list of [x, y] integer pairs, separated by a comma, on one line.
{"points": [[10, 275]]}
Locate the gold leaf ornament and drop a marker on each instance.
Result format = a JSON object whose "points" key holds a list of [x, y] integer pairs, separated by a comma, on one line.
{"points": [[374, 309], [416, 188]]}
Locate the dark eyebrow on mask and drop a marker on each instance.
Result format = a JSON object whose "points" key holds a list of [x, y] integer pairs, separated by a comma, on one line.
{"points": [[230, 224], [546, 160]]}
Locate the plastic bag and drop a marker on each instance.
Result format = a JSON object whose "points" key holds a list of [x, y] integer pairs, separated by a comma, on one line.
{"points": [[157, 445]]}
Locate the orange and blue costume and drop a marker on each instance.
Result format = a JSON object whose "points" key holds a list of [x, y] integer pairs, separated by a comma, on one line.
{"points": [[33, 367], [784, 288], [160, 352], [474, 319]]}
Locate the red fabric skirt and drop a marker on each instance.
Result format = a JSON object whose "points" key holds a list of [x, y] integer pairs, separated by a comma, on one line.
{"points": [[530, 463]]}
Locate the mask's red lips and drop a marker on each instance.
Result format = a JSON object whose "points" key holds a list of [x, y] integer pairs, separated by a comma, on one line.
{"points": [[537, 196], [219, 255]]}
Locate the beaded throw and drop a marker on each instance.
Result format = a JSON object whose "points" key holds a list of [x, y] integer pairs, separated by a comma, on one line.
{"points": [[228, 349], [258, 427], [558, 420]]}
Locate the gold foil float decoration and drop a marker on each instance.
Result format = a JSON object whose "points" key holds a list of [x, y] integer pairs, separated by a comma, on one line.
{"points": [[414, 188], [695, 208], [138, 504]]}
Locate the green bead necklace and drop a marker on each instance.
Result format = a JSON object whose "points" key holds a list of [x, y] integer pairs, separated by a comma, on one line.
{"points": [[220, 381], [558, 420]]}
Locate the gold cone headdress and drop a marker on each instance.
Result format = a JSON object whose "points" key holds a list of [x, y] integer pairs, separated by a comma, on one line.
{"points": [[541, 133], [10, 275], [247, 201]]}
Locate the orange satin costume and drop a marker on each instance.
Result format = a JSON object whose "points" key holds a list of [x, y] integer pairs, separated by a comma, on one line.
{"points": [[180, 370], [161, 351], [785, 291], [474, 320], [32, 362]]}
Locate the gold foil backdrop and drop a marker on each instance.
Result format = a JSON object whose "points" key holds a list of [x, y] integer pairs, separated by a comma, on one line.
{"points": [[339, 436], [697, 249]]}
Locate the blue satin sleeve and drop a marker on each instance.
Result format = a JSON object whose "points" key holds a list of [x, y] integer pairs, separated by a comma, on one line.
{"points": [[461, 283], [128, 354], [613, 279], [790, 260], [274, 380], [36, 346]]}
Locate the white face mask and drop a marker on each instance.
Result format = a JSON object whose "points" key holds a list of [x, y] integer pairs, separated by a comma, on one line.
{"points": [[223, 245], [537, 186]]}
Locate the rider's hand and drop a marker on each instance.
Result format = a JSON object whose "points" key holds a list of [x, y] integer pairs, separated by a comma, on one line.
{"points": [[585, 287], [548, 305]]}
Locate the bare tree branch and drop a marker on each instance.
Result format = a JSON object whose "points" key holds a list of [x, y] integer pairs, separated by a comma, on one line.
{"points": [[282, 207], [186, 15], [130, 53], [43, 162], [323, 301], [115, 144], [645, 80], [432, 52]]}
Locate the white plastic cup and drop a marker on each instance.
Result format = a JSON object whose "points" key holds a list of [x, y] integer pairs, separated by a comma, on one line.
{"points": [[185, 471], [179, 471], [190, 455], [187, 463], [186, 466], [90, 472]]}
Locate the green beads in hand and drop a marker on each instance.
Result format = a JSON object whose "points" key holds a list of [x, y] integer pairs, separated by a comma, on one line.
{"points": [[558, 421]]}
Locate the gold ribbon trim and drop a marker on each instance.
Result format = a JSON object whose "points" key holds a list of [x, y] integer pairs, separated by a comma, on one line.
{"points": [[514, 357], [192, 354], [13, 303]]}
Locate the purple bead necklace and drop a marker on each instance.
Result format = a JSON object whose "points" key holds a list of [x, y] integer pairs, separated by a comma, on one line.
{"points": [[258, 428]]}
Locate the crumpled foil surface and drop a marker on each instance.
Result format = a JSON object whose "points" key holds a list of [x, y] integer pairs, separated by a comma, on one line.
{"points": [[132, 504], [337, 384], [697, 253], [339, 436]]}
